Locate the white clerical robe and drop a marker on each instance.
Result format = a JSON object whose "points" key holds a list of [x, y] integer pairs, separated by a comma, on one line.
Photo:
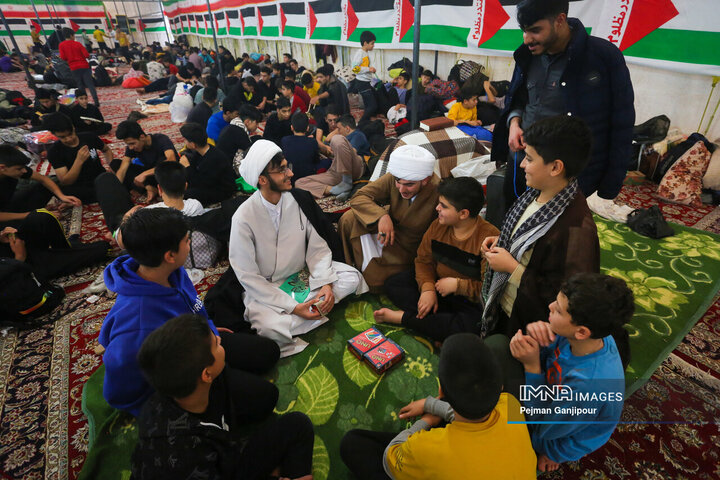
{"points": [[263, 258]]}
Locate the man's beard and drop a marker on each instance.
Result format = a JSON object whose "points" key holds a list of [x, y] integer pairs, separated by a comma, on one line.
{"points": [[277, 186]]}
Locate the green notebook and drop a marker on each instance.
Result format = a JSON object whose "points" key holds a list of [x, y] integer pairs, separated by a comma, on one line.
{"points": [[297, 286]]}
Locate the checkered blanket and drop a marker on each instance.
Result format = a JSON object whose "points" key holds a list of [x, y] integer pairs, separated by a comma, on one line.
{"points": [[450, 146]]}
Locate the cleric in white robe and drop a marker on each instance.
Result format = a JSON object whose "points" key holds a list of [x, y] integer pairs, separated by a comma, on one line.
{"points": [[270, 240]]}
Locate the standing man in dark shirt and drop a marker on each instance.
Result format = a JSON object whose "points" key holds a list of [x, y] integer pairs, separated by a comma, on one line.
{"points": [[202, 112], [76, 157], [332, 92], [278, 123], [135, 169], [210, 175], [561, 70]]}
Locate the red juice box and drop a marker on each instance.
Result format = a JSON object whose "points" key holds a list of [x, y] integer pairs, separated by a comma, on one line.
{"points": [[364, 342], [384, 356]]}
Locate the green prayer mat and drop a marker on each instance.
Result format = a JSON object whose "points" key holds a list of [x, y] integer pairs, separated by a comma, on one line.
{"points": [[674, 281]]}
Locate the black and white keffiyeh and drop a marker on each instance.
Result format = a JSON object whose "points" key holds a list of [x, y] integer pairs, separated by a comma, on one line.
{"points": [[517, 244]]}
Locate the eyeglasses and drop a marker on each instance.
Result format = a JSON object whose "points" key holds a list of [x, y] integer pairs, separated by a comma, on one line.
{"points": [[283, 170]]}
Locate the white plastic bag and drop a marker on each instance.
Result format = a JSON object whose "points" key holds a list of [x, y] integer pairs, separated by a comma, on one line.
{"points": [[478, 168], [181, 104]]}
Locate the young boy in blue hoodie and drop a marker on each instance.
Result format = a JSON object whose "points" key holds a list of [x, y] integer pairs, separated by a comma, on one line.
{"points": [[153, 287], [581, 352]]}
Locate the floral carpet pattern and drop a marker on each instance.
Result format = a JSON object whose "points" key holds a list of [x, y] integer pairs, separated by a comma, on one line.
{"points": [[44, 434]]}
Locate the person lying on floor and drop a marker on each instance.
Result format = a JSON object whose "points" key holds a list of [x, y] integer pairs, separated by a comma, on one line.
{"points": [[382, 241], [76, 157], [18, 202], [272, 239], [82, 110], [584, 347], [302, 151], [549, 233], [347, 127], [476, 440], [210, 174], [442, 295], [346, 167], [30, 233], [152, 287], [191, 423], [135, 169]]}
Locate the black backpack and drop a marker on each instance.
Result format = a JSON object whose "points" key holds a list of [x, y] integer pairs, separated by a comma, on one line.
{"points": [[23, 298], [102, 77]]}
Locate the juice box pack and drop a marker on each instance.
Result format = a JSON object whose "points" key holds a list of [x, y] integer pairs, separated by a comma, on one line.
{"points": [[375, 349]]}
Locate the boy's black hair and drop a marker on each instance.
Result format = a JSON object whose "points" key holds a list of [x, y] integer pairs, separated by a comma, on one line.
{"points": [[250, 82], [174, 355], [129, 129], [136, 65], [149, 233], [562, 137], [465, 95], [277, 66], [209, 94], [231, 104], [405, 75], [307, 79], [427, 73], [11, 156], [57, 122], [463, 193], [282, 102], [470, 375], [348, 120], [287, 55], [212, 82], [603, 304], [290, 85], [274, 163], [531, 11], [366, 37], [80, 92], [68, 33], [171, 177], [195, 133], [333, 109], [299, 122], [267, 70], [251, 112], [44, 93], [292, 60], [289, 76], [326, 70]]}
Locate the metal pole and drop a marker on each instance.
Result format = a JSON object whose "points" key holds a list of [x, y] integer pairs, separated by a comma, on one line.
{"points": [[162, 15], [436, 62], [137, 6], [217, 49], [42, 30], [416, 66], [31, 82]]}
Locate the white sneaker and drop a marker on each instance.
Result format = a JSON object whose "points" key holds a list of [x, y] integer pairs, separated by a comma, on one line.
{"points": [[196, 275], [98, 285]]}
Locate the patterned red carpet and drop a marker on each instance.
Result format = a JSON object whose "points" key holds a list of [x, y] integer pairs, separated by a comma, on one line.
{"points": [[43, 432]]}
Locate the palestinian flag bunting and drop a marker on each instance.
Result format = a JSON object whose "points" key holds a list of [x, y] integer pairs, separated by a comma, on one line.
{"points": [[674, 34]]}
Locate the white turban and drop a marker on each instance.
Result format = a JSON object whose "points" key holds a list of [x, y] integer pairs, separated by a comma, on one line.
{"points": [[411, 163], [256, 159]]}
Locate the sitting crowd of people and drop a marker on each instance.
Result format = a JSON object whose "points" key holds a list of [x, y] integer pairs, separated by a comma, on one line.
{"points": [[518, 303]]}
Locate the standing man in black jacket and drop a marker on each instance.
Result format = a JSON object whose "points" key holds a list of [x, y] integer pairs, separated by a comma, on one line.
{"points": [[560, 69]]}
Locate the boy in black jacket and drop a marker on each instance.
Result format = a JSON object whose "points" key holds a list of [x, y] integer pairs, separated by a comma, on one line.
{"points": [[82, 111], [187, 429]]}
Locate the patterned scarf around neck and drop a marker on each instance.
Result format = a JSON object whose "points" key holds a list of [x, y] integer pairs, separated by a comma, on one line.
{"points": [[518, 243]]}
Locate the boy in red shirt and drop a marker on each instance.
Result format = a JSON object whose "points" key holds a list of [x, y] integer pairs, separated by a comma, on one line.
{"points": [[76, 55]]}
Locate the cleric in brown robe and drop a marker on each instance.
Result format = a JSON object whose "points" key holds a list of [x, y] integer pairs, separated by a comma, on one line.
{"points": [[389, 216]]}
